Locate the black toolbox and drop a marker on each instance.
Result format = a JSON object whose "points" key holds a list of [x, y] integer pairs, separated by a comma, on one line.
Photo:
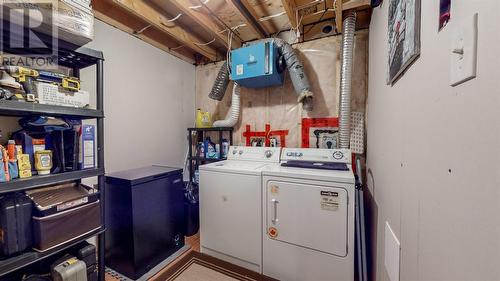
{"points": [[86, 252], [15, 224]]}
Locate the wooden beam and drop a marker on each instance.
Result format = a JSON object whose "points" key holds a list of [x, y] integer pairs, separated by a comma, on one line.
{"points": [[338, 15], [290, 8], [355, 4], [156, 19], [248, 16], [105, 12], [253, 15], [206, 21]]}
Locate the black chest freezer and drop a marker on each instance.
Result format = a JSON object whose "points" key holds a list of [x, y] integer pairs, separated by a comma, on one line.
{"points": [[144, 217]]}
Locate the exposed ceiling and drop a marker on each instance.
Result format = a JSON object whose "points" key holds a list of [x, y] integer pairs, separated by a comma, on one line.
{"points": [[200, 31]]}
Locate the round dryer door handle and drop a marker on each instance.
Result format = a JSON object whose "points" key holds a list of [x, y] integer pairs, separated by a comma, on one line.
{"points": [[275, 217]]}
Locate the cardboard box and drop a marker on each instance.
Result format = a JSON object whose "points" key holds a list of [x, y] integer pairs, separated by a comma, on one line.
{"points": [[54, 95], [86, 157]]}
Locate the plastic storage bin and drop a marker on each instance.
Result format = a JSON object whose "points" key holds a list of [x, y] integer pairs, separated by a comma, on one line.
{"points": [[51, 231]]}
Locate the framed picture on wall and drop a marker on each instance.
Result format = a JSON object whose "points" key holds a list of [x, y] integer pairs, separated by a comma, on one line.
{"points": [[404, 37]]}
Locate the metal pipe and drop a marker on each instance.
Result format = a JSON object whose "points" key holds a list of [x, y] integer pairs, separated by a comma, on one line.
{"points": [[346, 80]]}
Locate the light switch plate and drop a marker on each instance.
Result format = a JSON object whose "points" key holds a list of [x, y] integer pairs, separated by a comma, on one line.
{"points": [[392, 253], [463, 63]]}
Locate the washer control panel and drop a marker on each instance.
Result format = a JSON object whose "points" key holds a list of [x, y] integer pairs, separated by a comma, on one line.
{"points": [[252, 153], [316, 154]]}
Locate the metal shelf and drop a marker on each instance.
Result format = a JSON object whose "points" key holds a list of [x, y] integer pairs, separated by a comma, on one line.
{"points": [[20, 261], [198, 158], [38, 181], [212, 129], [17, 108]]}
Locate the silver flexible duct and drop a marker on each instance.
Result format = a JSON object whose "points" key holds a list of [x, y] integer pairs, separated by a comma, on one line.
{"points": [[235, 110], [346, 80], [295, 69], [297, 74], [220, 85]]}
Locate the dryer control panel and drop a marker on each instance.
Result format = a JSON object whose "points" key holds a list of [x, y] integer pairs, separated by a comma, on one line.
{"points": [[316, 154], [252, 153]]}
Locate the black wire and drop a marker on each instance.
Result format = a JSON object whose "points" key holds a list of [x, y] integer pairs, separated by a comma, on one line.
{"points": [[320, 18]]}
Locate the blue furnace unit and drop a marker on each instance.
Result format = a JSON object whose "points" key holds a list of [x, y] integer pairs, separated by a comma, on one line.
{"points": [[257, 65]]}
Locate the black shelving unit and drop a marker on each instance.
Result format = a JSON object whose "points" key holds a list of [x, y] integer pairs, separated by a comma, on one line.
{"points": [[194, 160], [76, 58]]}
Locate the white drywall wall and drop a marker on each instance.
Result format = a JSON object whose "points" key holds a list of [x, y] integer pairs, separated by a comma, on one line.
{"points": [[434, 151], [148, 101]]}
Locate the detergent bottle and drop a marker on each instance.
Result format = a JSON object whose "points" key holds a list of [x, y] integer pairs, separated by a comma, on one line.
{"points": [[210, 151], [203, 119]]}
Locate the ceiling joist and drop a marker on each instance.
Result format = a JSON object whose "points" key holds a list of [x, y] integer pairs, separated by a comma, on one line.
{"points": [[248, 16], [199, 31], [290, 9], [203, 18], [156, 19]]}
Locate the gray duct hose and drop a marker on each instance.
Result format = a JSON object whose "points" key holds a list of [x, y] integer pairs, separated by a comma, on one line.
{"points": [[295, 69], [297, 74], [346, 80], [235, 110], [220, 84]]}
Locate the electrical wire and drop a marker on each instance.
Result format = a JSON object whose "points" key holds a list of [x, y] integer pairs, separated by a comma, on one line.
{"points": [[176, 48], [205, 44], [266, 18], [142, 29], [175, 18], [202, 3], [322, 15]]}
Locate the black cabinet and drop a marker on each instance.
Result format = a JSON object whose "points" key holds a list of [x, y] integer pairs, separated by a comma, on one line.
{"points": [[145, 218]]}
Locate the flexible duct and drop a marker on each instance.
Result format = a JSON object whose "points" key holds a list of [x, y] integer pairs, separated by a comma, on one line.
{"points": [[346, 80], [295, 69], [297, 74], [235, 110], [220, 84]]}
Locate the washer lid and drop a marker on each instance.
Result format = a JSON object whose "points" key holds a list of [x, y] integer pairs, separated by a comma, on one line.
{"points": [[235, 166], [313, 174]]}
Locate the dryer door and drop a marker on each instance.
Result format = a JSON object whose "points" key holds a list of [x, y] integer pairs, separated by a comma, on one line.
{"points": [[309, 216]]}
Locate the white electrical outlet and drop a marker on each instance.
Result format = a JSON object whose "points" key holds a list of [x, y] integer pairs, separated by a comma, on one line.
{"points": [[463, 61], [392, 253]]}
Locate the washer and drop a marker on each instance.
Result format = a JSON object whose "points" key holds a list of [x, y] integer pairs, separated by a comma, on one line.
{"points": [[231, 205], [308, 216]]}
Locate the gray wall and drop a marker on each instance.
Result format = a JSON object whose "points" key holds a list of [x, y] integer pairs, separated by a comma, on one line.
{"points": [[149, 101], [434, 151]]}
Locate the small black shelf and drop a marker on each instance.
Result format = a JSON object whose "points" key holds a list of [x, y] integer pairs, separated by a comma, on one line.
{"points": [[212, 129], [17, 262], [38, 181], [17, 108], [206, 159]]}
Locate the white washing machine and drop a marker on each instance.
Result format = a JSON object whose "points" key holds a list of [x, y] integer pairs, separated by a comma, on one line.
{"points": [[231, 205], [308, 216]]}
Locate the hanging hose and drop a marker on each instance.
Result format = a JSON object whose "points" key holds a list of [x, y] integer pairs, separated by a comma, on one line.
{"points": [[220, 84], [346, 80], [235, 110]]}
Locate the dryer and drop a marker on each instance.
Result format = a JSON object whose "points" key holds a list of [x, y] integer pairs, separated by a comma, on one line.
{"points": [[231, 205], [308, 216]]}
